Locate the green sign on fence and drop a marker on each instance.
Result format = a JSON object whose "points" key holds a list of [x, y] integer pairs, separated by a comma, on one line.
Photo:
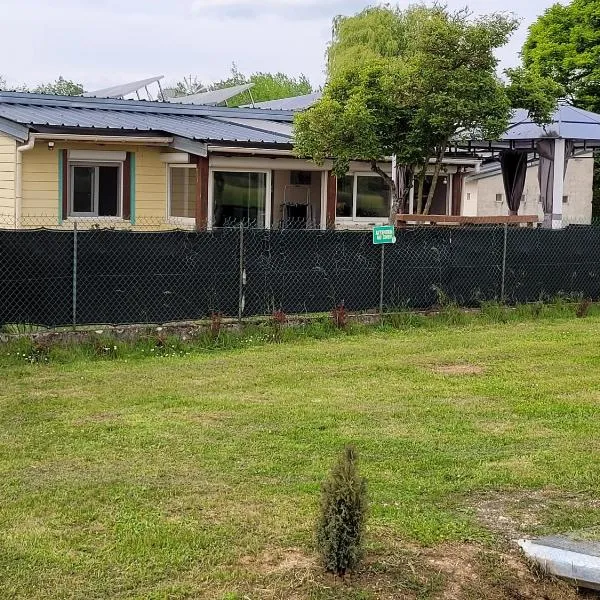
{"points": [[384, 234]]}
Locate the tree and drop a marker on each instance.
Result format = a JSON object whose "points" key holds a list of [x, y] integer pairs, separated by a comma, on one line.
{"points": [[341, 524], [60, 87], [267, 86], [564, 45], [186, 87], [406, 83]]}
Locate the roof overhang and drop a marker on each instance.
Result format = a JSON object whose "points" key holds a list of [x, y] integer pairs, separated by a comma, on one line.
{"points": [[14, 130]]}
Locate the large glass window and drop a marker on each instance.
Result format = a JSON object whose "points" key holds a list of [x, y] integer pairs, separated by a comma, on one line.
{"points": [[362, 197], [182, 191], [239, 197], [95, 190], [372, 197], [345, 195]]}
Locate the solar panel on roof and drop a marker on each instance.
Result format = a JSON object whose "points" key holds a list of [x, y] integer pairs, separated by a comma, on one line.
{"points": [[214, 96], [119, 91]]}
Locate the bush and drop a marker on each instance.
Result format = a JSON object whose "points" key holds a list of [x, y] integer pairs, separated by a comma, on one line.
{"points": [[340, 530]]}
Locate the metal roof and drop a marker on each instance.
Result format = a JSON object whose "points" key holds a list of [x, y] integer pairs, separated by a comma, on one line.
{"points": [[213, 97], [568, 122], [203, 123], [118, 91]]}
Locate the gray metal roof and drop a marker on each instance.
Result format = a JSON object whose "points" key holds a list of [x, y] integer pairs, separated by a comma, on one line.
{"points": [[569, 123], [203, 123]]}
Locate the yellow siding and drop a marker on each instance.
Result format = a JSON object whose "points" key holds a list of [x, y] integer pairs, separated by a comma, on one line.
{"points": [[8, 158], [41, 183]]}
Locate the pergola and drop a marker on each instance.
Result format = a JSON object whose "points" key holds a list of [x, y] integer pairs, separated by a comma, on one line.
{"points": [[572, 130]]}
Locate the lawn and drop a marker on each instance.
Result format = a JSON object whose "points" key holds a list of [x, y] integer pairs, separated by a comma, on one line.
{"points": [[198, 476]]}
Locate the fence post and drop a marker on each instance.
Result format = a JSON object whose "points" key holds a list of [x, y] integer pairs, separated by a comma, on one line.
{"points": [[242, 276], [74, 297], [382, 275], [503, 284]]}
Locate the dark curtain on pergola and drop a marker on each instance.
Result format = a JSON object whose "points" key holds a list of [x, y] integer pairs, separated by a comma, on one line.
{"points": [[514, 172], [545, 149]]}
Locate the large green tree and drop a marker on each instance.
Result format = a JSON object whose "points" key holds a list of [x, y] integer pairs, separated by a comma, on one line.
{"points": [[407, 83], [564, 44]]}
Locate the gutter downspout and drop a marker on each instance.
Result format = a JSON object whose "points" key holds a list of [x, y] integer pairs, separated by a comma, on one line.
{"points": [[19, 176]]}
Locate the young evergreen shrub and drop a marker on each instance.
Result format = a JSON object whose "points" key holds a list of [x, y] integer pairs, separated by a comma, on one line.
{"points": [[341, 525]]}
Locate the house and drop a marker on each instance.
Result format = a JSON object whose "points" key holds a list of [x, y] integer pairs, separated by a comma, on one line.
{"points": [[484, 195], [157, 165], [160, 165]]}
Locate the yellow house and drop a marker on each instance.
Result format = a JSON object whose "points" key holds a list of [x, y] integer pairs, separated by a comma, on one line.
{"points": [[126, 163]]}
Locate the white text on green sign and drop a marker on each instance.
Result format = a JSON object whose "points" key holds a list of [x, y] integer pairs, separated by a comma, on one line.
{"points": [[384, 234]]}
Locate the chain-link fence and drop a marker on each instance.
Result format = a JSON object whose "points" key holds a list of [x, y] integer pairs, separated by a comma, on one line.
{"points": [[102, 273]]}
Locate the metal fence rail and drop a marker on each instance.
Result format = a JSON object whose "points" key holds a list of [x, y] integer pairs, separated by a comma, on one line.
{"points": [[92, 276]]}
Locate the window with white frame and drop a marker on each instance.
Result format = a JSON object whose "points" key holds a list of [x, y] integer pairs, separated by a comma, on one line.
{"points": [[499, 198], [240, 197], [362, 196], [182, 191], [96, 189]]}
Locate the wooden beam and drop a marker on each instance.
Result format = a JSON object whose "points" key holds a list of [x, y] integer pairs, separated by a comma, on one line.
{"points": [[201, 192], [457, 190], [463, 220], [331, 199]]}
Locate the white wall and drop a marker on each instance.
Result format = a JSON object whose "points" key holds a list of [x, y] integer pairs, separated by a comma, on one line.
{"points": [[578, 187]]}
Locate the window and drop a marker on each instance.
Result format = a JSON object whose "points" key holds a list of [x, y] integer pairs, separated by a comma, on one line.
{"points": [[468, 195], [499, 198], [96, 189], [239, 197], [565, 199], [362, 197], [182, 191]]}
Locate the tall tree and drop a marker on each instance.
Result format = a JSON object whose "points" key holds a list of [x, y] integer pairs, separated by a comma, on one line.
{"points": [[405, 83], [564, 44]]}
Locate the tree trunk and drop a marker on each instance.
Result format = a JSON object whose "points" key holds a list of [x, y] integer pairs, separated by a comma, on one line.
{"points": [[390, 181], [436, 174]]}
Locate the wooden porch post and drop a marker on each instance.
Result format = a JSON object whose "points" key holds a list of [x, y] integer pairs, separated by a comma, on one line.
{"points": [[331, 199], [201, 192], [457, 191]]}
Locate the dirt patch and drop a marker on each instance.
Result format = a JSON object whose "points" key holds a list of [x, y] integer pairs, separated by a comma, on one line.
{"points": [[271, 562], [517, 513], [459, 369], [474, 572], [398, 571]]}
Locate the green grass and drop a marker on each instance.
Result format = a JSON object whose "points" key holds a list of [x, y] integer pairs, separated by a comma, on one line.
{"points": [[197, 476]]}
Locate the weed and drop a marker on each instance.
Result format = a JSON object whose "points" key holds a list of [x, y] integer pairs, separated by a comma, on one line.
{"points": [[583, 309], [339, 316]]}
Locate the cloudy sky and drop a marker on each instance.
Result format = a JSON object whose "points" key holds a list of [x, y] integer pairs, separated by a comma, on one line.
{"points": [[106, 42]]}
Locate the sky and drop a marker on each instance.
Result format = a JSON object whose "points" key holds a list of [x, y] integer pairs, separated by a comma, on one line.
{"points": [[101, 43]]}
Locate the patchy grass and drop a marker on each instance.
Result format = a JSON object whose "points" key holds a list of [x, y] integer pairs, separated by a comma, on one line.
{"points": [[197, 476]]}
